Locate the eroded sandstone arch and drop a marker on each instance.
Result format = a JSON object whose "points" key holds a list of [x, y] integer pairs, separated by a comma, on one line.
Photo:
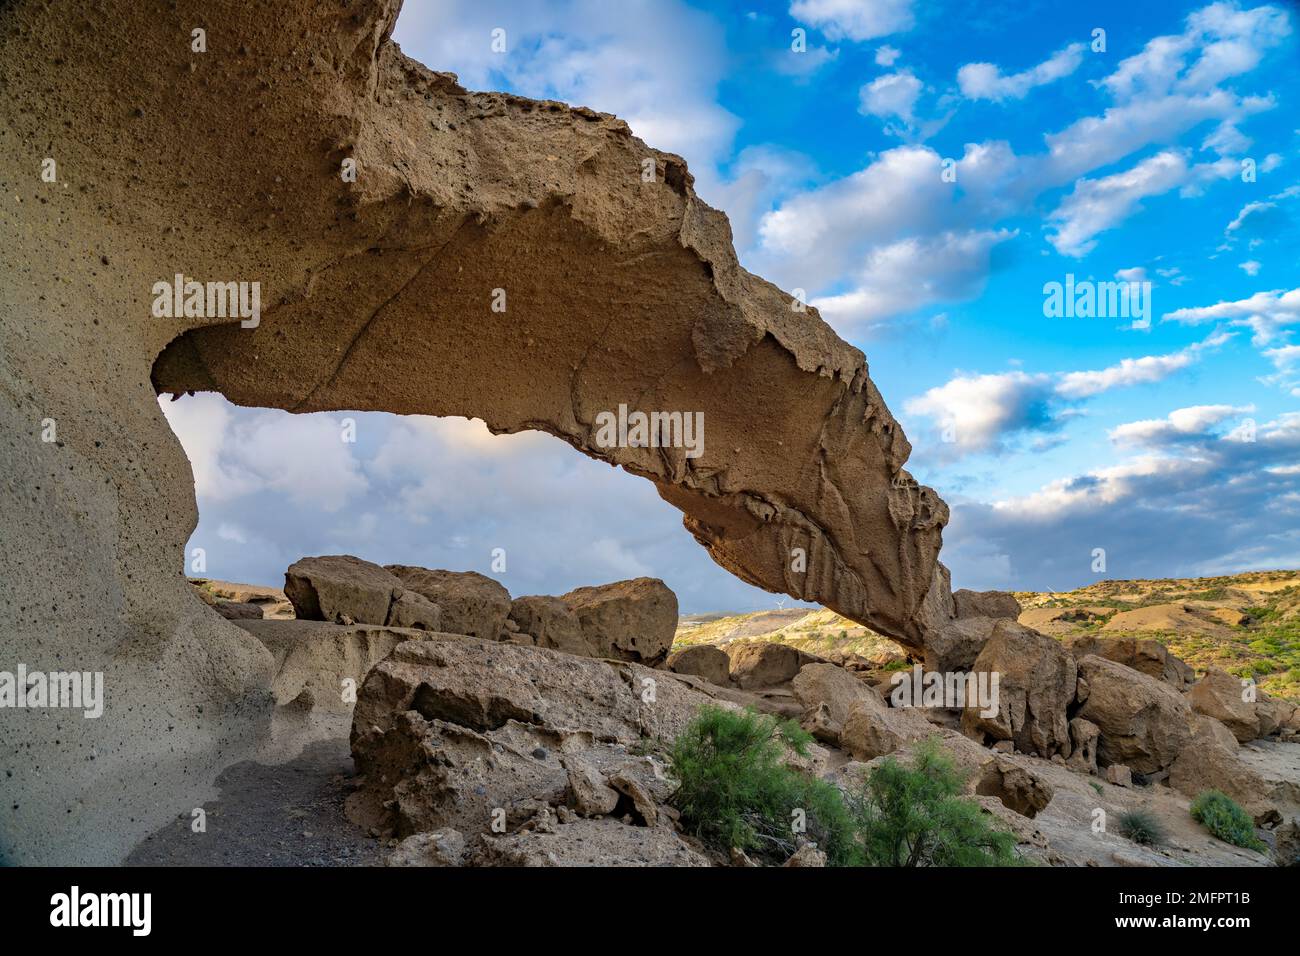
{"points": [[224, 166]]}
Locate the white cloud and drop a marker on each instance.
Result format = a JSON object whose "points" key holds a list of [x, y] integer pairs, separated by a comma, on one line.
{"points": [[301, 456], [980, 413], [1133, 371], [804, 63], [1284, 358], [891, 95], [1265, 313], [824, 238], [985, 81], [975, 412], [855, 19], [201, 423], [1226, 41], [1214, 503], [1251, 267], [887, 56], [902, 277], [1129, 371], [1096, 205], [1251, 209], [1194, 421]]}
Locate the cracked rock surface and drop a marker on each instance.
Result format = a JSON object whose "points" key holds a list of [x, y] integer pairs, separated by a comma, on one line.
{"points": [[376, 295]]}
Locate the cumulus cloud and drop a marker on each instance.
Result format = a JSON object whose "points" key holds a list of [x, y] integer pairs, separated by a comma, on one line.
{"points": [[838, 233], [1266, 313], [302, 456], [887, 56], [1217, 504], [1096, 205], [982, 413], [855, 19], [1182, 423], [977, 412], [435, 492], [900, 276], [1134, 371], [986, 81], [819, 239], [893, 95]]}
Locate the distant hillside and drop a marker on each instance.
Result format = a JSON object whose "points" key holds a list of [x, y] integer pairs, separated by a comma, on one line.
{"points": [[1247, 624]]}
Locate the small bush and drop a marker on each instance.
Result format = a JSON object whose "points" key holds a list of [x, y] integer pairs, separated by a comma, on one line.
{"points": [[736, 790], [1141, 826], [914, 816], [1225, 818]]}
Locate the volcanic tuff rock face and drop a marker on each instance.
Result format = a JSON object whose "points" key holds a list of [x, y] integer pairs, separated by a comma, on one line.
{"points": [[224, 166]]}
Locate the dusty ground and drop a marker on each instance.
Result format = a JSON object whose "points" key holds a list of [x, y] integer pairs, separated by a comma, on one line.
{"points": [[288, 814]]}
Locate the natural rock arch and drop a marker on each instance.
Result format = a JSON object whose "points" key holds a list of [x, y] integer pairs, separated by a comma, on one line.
{"points": [[225, 166]]}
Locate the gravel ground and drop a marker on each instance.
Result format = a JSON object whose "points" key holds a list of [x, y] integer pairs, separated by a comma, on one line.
{"points": [[288, 814]]}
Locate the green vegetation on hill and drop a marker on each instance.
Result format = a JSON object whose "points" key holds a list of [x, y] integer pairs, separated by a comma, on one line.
{"points": [[1264, 643], [1247, 624]]}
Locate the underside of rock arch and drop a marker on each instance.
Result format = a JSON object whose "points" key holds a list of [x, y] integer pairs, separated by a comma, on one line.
{"points": [[376, 294]]}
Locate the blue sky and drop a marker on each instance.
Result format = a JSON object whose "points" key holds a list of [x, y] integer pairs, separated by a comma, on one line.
{"points": [[1176, 447]]}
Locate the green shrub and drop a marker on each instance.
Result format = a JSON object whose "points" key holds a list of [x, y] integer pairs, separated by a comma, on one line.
{"points": [[736, 790], [1225, 818], [1142, 826], [914, 816]]}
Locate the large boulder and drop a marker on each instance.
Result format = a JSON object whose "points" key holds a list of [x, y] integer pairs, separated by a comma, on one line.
{"points": [[956, 645], [1084, 736], [550, 623], [341, 589], [1273, 714], [1145, 724], [876, 730], [627, 620], [448, 730], [1210, 765], [1036, 685], [238, 610], [414, 610], [1222, 696], [757, 664], [997, 604], [470, 603], [842, 710], [320, 666], [1207, 728], [832, 687], [1142, 654], [702, 660], [1016, 784]]}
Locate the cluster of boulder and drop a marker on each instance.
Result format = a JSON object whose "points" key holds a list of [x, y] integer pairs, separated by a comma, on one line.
{"points": [[1124, 705], [627, 620], [529, 731]]}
